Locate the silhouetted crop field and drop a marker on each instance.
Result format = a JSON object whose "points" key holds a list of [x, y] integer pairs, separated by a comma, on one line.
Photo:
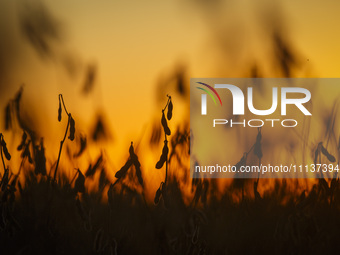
{"points": [[45, 212]]}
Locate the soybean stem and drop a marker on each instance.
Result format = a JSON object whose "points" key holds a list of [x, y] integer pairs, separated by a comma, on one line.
{"points": [[62, 100], [61, 145], [167, 103]]}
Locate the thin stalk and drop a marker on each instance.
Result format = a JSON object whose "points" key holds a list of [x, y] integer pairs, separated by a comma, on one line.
{"points": [[61, 147], [21, 166], [167, 103], [115, 182], [62, 100], [166, 170], [166, 167]]}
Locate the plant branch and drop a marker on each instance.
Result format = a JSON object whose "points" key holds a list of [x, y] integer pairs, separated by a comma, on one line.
{"points": [[62, 100], [167, 103]]}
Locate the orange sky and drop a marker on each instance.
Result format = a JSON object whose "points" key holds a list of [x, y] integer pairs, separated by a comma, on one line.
{"points": [[134, 43]]}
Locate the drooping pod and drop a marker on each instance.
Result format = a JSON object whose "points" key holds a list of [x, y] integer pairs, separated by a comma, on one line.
{"points": [[330, 157], [72, 128], [170, 108], [165, 125], [124, 169], [164, 155], [59, 111]]}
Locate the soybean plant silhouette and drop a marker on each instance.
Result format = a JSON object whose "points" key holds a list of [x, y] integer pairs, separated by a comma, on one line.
{"points": [[45, 212]]}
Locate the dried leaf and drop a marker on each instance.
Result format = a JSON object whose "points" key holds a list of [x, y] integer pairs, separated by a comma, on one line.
{"points": [[40, 29], [90, 78], [83, 143], [92, 170], [103, 181], [101, 130]]}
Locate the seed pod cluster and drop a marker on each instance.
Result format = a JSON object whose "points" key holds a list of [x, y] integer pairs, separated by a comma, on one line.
{"points": [[133, 160], [164, 155], [4, 148], [161, 192], [24, 147], [26, 152], [72, 127], [92, 170], [23, 141]]}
